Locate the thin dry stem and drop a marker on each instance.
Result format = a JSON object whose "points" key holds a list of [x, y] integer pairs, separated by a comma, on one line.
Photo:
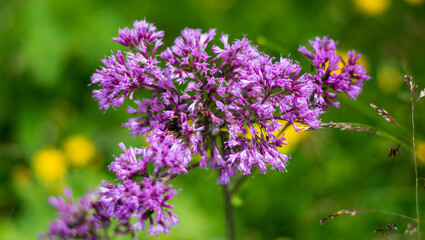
{"points": [[355, 212], [416, 166], [344, 126], [412, 88]]}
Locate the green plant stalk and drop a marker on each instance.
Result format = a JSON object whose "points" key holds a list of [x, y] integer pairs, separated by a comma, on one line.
{"points": [[416, 165], [227, 192], [391, 213]]}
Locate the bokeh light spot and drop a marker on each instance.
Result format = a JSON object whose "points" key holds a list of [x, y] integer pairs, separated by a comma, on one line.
{"points": [[389, 78], [79, 150], [372, 7], [49, 164]]}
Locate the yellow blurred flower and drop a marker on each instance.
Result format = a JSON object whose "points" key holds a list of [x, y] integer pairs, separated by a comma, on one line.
{"points": [[415, 2], [362, 60], [79, 150], [389, 78], [344, 55], [420, 150], [292, 137], [49, 164], [372, 7]]}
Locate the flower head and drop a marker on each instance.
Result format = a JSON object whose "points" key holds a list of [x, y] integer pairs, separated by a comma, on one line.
{"points": [[80, 150], [333, 75], [143, 34], [76, 219], [145, 201], [206, 101], [226, 102], [50, 164]]}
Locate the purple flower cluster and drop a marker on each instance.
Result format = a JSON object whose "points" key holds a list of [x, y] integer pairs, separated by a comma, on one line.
{"points": [[145, 199], [211, 98], [139, 200], [77, 220], [122, 75], [224, 103], [333, 73]]}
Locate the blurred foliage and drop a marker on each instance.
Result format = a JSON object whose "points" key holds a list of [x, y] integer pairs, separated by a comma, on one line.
{"points": [[51, 48]]}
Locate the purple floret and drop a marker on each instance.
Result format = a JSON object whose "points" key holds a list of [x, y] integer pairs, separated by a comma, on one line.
{"points": [[76, 220], [330, 75], [142, 34], [145, 200]]}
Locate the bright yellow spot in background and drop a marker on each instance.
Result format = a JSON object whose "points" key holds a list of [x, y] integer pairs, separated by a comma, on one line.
{"points": [[420, 150], [49, 164], [363, 61], [344, 55], [79, 150], [415, 2], [389, 78], [292, 137], [372, 7]]}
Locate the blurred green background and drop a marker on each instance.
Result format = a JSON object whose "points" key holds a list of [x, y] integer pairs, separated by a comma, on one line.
{"points": [[52, 134]]}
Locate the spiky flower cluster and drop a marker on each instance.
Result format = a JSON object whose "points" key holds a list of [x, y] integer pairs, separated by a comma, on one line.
{"points": [[333, 73], [77, 220], [144, 199], [225, 102]]}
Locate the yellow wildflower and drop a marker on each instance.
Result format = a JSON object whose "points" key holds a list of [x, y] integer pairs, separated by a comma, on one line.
{"points": [[372, 7], [49, 164], [79, 150], [292, 137], [344, 54]]}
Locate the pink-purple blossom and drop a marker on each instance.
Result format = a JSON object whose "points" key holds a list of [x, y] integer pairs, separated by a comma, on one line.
{"points": [[214, 104], [145, 200], [76, 220], [333, 74], [210, 96]]}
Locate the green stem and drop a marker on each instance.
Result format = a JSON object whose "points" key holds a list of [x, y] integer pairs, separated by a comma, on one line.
{"points": [[416, 166], [241, 180], [227, 192], [379, 132], [105, 228], [391, 213]]}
